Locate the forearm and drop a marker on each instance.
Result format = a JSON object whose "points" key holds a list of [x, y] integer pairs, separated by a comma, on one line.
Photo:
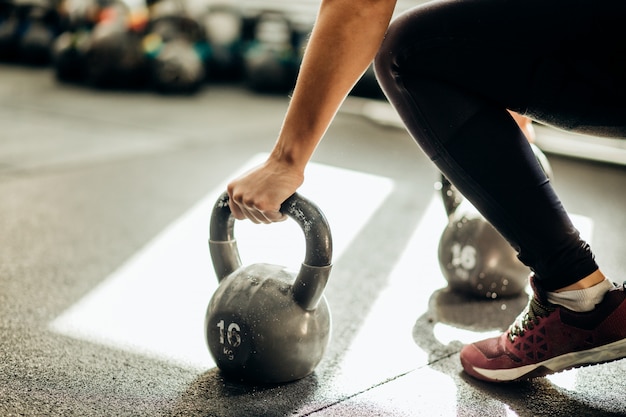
{"points": [[343, 43]]}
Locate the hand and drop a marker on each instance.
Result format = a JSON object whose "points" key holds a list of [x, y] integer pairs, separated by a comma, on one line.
{"points": [[258, 194]]}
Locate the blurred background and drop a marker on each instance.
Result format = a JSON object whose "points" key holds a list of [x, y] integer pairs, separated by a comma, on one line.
{"points": [[172, 46], [182, 46]]}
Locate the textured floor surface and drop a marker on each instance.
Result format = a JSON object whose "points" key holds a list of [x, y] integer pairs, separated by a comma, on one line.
{"points": [[105, 273]]}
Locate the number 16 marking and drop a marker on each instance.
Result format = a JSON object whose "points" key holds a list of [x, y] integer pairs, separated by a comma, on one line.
{"points": [[232, 333]]}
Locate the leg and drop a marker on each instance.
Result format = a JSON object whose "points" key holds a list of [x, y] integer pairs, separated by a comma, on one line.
{"points": [[451, 84], [447, 67]]}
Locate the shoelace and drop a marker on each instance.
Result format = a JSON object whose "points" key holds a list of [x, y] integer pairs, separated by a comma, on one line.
{"points": [[528, 319]]}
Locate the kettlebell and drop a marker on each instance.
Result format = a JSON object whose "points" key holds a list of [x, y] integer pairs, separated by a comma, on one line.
{"points": [[10, 30], [265, 324], [176, 47], [473, 256], [114, 58], [224, 27], [272, 58], [68, 55], [42, 24]]}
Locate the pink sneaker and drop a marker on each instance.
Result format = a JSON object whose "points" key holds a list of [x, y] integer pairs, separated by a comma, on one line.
{"points": [[548, 338]]}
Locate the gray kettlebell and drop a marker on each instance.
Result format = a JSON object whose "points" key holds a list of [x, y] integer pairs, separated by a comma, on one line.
{"points": [[474, 258], [265, 324]]}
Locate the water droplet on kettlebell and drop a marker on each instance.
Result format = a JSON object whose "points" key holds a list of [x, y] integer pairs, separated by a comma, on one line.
{"points": [[494, 295]]}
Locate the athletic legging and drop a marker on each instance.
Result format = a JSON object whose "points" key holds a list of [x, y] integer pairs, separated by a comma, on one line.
{"points": [[452, 68]]}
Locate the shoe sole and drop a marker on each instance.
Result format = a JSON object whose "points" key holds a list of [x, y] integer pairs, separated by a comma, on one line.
{"points": [[602, 354]]}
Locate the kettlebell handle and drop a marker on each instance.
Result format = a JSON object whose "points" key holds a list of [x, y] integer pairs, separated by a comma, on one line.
{"points": [[311, 280], [450, 196]]}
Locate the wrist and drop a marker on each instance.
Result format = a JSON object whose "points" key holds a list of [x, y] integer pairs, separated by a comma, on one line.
{"points": [[292, 157]]}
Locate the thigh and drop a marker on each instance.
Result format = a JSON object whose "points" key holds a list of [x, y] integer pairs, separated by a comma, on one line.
{"points": [[560, 62]]}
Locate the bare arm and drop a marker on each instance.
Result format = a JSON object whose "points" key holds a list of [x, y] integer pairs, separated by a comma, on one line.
{"points": [[344, 41]]}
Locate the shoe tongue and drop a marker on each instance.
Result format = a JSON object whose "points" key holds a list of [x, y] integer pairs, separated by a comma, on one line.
{"points": [[540, 309]]}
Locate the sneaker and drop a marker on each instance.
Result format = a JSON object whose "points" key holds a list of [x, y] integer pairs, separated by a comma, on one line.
{"points": [[547, 338]]}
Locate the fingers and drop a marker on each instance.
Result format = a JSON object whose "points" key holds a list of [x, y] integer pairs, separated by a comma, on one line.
{"points": [[259, 216], [241, 211]]}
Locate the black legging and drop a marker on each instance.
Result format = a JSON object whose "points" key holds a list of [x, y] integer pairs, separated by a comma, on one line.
{"points": [[451, 68]]}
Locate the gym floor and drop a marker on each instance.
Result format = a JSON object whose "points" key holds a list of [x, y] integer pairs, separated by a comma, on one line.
{"points": [[105, 273]]}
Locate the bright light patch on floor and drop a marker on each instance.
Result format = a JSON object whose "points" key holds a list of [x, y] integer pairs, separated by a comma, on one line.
{"points": [[584, 225], [566, 380], [427, 393], [447, 334], [509, 412], [384, 345], [154, 304]]}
